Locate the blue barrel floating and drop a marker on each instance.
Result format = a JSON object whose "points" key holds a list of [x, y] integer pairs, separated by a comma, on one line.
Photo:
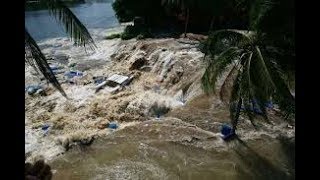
{"points": [[227, 131], [113, 126]]}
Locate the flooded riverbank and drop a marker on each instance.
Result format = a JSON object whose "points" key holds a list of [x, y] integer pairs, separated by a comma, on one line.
{"points": [[183, 143]]}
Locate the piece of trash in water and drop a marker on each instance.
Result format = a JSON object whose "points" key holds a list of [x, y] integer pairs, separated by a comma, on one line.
{"points": [[113, 125], [289, 126], [72, 74], [227, 131], [45, 127], [119, 79], [55, 67], [101, 85], [57, 71], [114, 83], [254, 107], [72, 64], [33, 89], [41, 92], [98, 79], [269, 104]]}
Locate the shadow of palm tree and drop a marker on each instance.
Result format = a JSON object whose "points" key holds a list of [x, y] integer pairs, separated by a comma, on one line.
{"points": [[257, 167], [288, 145]]}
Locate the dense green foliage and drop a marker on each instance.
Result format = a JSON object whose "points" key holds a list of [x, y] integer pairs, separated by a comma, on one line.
{"points": [[113, 36], [134, 31], [200, 14], [151, 11]]}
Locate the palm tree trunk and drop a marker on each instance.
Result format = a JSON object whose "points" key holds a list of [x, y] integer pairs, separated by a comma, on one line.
{"points": [[211, 24], [186, 24]]}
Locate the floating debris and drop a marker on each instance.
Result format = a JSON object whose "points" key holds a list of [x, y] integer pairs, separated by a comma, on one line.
{"points": [[98, 80], [72, 74], [119, 79], [113, 125], [55, 67], [114, 83], [227, 132], [33, 89]]}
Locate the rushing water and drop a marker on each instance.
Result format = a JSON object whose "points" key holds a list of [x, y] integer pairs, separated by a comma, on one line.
{"points": [[93, 14], [160, 150], [155, 150]]}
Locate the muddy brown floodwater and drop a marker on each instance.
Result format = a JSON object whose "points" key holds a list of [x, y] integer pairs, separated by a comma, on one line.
{"points": [[172, 149]]}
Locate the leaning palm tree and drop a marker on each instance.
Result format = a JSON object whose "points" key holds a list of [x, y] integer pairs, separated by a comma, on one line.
{"points": [[256, 77], [258, 60], [74, 28]]}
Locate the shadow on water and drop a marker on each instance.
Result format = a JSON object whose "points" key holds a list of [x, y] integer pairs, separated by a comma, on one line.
{"points": [[288, 145], [258, 167], [167, 149]]}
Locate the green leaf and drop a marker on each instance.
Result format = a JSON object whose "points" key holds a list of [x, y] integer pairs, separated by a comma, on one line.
{"points": [[73, 26], [217, 67]]}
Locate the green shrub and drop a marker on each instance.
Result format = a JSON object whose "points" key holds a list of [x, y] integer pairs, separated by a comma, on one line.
{"points": [[113, 36], [133, 31]]}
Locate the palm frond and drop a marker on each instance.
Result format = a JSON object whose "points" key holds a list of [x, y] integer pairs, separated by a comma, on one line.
{"points": [[264, 67], [41, 62], [258, 79], [73, 26], [216, 68], [247, 92], [226, 81], [282, 95], [262, 83], [29, 61], [235, 101], [220, 40]]}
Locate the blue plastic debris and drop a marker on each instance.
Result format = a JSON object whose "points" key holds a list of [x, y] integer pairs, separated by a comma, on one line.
{"points": [[269, 104], [98, 80], [227, 131], [256, 108], [113, 125], [45, 127], [72, 74], [57, 71], [32, 89], [46, 132]]}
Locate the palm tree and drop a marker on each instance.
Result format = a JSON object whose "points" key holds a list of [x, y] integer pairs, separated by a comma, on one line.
{"points": [[185, 5], [74, 28], [256, 64]]}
